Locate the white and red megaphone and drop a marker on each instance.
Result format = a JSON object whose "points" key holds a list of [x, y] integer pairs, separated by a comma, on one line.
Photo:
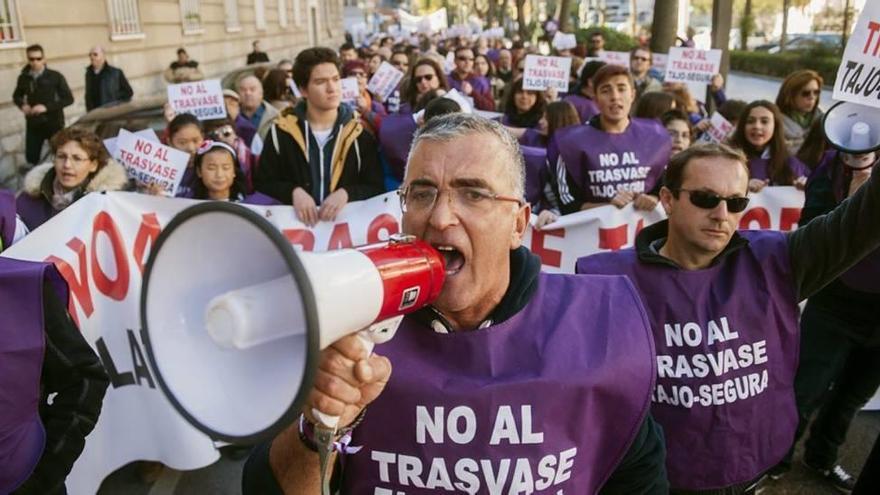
{"points": [[235, 317]]}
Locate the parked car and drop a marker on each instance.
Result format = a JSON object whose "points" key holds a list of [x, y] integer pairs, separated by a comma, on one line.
{"points": [[135, 115], [805, 42]]}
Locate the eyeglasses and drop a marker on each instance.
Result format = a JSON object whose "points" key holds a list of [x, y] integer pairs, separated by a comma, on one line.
{"points": [[225, 132], [426, 77], [420, 198], [75, 159], [359, 74], [708, 200], [465, 59], [810, 92], [34, 59], [641, 59]]}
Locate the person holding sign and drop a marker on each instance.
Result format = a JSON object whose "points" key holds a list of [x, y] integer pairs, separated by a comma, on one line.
{"points": [[760, 135], [220, 178], [185, 133], [523, 108], [371, 110], [317, 156], [469, 83], [798, 100], [80, 165], [615, 159], [514, 381], [723, 306]]}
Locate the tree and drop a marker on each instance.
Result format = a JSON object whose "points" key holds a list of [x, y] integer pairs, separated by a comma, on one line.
{"points": [[565, 15], [746, 26], [665, 25]]}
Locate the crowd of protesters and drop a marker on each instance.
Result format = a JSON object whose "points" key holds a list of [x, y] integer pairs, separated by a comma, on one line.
{"points": [[289, 139]]}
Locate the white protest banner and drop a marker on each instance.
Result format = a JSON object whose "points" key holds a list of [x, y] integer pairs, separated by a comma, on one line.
{"points": [[463, 102], [151, 162], [564, 41], [437, 20], [350, 90], [542, 73], [858, 77], [384, 81], [692, 65], [659, 62], [101, 243], [497, 32], [718, 131], [110, 143], [204, 99], [614, 58]]}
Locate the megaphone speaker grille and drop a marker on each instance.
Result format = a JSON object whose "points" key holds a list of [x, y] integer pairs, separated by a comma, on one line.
{"points": [[234, 395], [852, 128]]}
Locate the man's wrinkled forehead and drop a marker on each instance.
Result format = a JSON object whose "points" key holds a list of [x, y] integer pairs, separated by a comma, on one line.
{"points": [[475, 157]]}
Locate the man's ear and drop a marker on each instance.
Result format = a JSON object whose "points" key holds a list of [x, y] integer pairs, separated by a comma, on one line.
{"points": [[523, 219], [666, 199]]}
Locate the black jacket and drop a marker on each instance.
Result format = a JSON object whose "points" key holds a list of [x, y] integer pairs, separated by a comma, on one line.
{"points": [[50, 89], [256, 57], [291, 158], [107, 86]]}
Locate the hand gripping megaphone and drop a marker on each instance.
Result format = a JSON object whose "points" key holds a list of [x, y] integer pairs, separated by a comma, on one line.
{"points": [[235, 317], [852, 128]]}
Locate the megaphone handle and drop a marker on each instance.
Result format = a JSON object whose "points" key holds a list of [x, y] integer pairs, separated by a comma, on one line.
{"points": [[332, 422]]}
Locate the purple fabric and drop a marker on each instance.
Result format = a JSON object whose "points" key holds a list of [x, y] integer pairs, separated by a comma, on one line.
{"points": [[479, 83], [746, 304], [531, 137], [185, 189], [585, 107], [547, 384], [260, 199], [34, 211], [22, 436], [7, 218], [602, 164], [245, 129], [536, 175], [493, 54], [395, 138], [758, 169]]}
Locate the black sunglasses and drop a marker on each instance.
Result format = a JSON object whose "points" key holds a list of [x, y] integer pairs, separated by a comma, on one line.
{"points": [[35, 59], [708, 200], [426, 77]]}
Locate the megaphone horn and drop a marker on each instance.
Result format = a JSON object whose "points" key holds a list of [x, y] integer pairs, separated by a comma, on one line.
{"points": [[852, 128], [235, 318]]}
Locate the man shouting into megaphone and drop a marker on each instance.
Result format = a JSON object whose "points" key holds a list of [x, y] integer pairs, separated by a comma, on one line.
{"points": [[513, 381]]}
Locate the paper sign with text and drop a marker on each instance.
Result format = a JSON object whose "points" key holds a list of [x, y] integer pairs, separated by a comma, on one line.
{"points": [[692, 65], [204, 99], [150, 162], [384, 81], [542, 73], [718, 131], [110, 143], [350, 90], [564, 41], [615, 58], [858, 77]]}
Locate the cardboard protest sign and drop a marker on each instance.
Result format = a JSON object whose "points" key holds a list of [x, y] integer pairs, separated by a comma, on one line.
{"points": [[718, 131], [541, 73], [110, 143], [384, 81], [564, 41], [692, 65], [204, 99], [350, 90], [615, 58], [150, 162], [858, 77]]}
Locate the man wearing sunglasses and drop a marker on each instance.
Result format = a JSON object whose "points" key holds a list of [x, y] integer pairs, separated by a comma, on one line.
{"points": [[501, 386], [466, 81], [41, 94], [639, 64], [724, 310]]}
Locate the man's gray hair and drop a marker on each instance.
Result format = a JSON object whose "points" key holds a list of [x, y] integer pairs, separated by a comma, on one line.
{"points": [[451, 126]]}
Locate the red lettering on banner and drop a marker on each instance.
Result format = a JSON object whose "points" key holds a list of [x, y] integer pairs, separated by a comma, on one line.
{"points": [[788, 219], [114, 289], [79, 287], [301, 237], [640, 226], [760, 215], [340, 237], [873, 28], [147, 233], [383, 223], [613, 238], [549, 257]]}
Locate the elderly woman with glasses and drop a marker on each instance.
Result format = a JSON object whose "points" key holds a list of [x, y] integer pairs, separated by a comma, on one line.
{"points": [[798, 100], [80, 165]]}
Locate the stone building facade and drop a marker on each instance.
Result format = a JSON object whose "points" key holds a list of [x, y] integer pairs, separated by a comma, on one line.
{"points": [[141, 37]]}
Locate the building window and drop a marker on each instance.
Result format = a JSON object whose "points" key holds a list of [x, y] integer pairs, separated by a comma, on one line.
{"points": [[190, 16], [260, 14], [282, 13], [297, 13], [125, 21], [10, 30], [232, 22]]}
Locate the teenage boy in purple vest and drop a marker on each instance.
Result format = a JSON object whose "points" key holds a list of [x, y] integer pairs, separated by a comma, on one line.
{"points": [[502, 386], [724, 310], [614, 158]]}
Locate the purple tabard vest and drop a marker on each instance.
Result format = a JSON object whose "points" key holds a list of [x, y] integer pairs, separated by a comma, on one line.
{"points": [[7, 218], [479, 83], [603, 164], [531, 137], [585, 107], [185, 188], [536, 174], [34, 211], [259, 199], [546, 401], [395, 138], [727, 344], [22, 436], [758, 169]]}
